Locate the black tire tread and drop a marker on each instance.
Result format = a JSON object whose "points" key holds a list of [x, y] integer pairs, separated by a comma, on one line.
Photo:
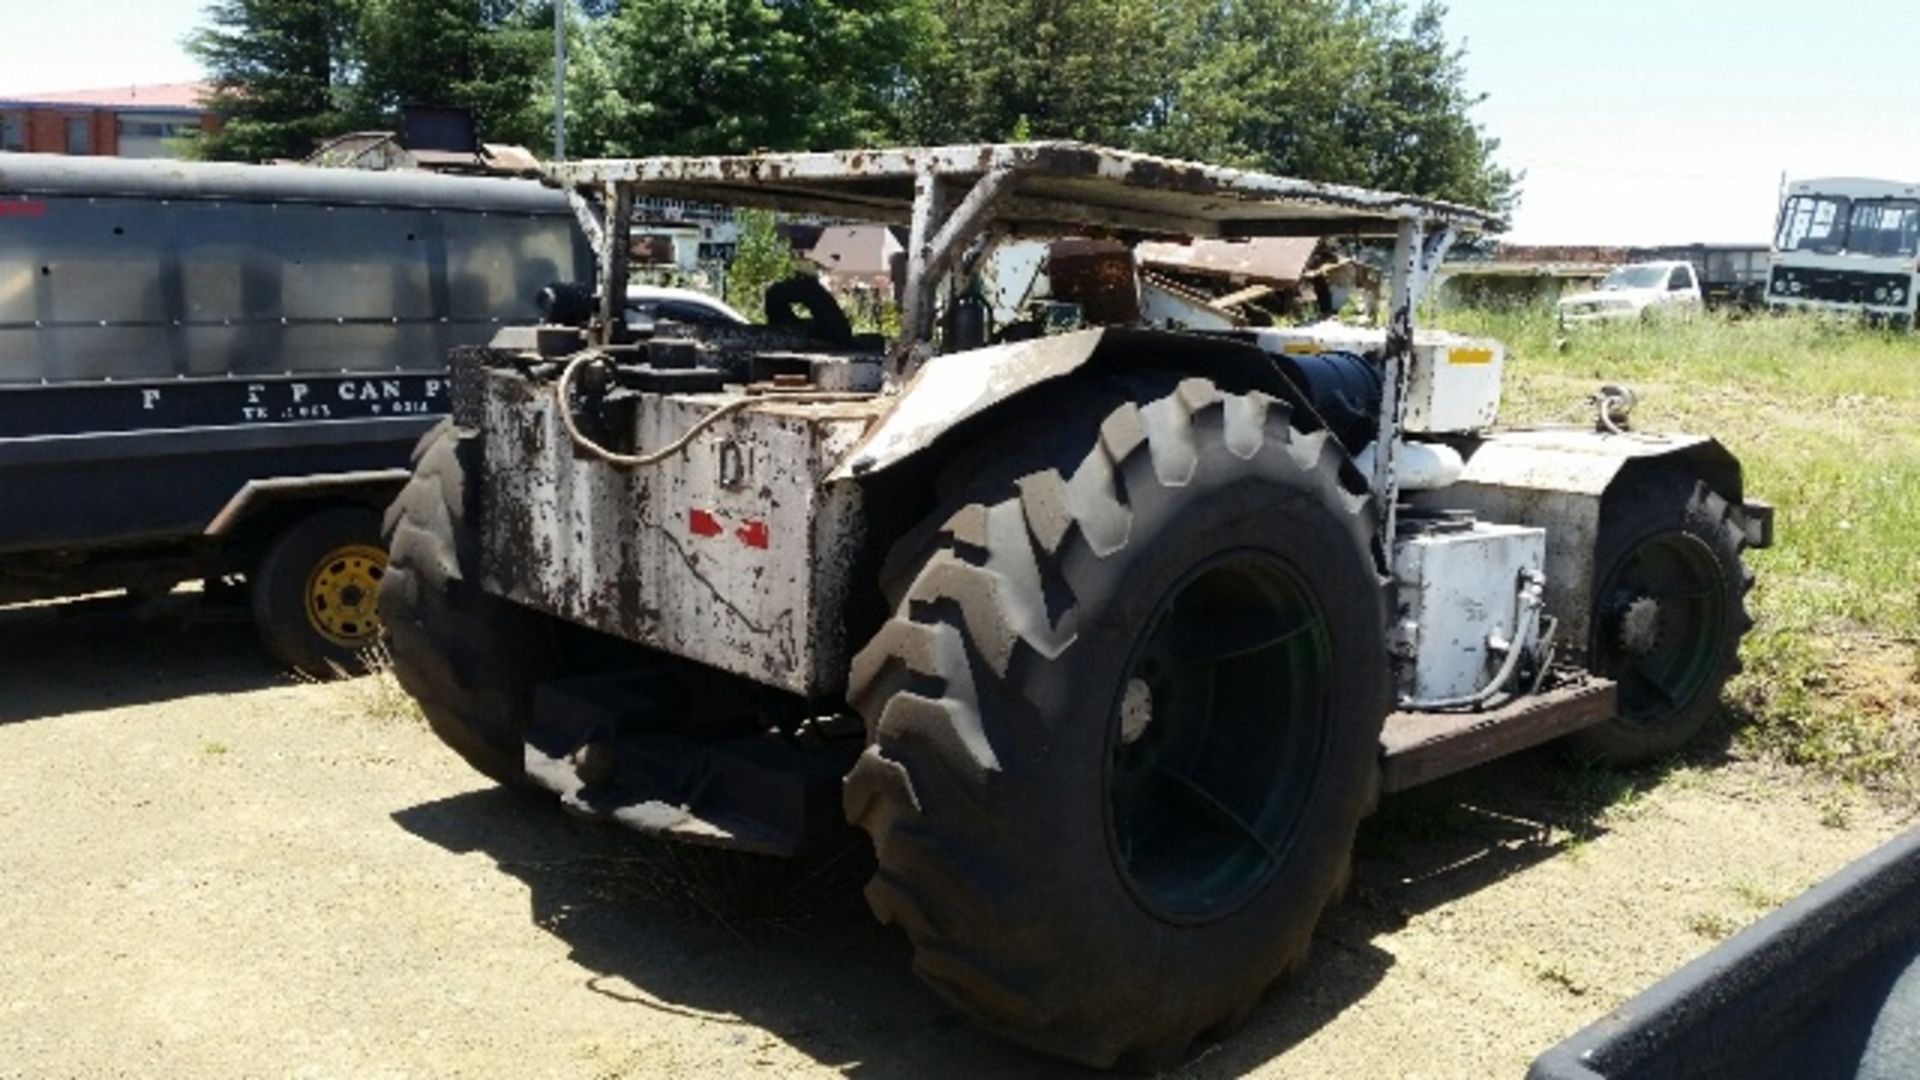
{"points": [[974, 598], [1713, 518], [464, 655]]}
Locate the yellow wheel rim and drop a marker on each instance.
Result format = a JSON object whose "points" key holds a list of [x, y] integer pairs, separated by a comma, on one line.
{"points": [[342, 592]]}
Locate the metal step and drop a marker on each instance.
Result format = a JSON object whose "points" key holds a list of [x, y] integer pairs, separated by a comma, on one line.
{"points": [[1416, 747]]}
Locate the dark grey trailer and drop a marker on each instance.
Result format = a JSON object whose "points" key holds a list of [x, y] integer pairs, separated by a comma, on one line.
{"points": [[218, 370]]}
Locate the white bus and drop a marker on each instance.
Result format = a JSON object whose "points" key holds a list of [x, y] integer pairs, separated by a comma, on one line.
{"points": [[1848, 245]]}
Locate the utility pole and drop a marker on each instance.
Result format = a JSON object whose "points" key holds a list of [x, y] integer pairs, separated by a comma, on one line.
{"points": [[559, 80]]}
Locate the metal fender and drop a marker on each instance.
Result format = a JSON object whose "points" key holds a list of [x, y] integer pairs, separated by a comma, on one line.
{"points": [[955, 387], [1558, 479]]}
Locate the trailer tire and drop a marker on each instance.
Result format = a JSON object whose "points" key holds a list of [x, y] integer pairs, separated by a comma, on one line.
{"points": [[1669, 612], [467, 656], [1100, 839], [314, 589]]}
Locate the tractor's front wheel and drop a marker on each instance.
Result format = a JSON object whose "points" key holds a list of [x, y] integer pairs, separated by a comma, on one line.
{"points": [[1124, 719], [1670, 609]]}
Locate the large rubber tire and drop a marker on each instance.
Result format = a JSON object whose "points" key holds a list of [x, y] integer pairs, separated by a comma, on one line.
{"points": [[313, 591], [1669, 612], [993, 699], [467, 656]]}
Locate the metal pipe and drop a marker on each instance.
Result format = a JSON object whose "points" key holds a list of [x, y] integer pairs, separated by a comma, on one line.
{"points": [[616, 236], [1397, 363], [559, 80]]}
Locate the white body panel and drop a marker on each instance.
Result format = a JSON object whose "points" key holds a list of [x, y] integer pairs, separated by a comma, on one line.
{"points": [[735, 553], [1458, 596]]}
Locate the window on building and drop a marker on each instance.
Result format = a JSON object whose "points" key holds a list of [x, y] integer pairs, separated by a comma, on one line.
{"points": [[13, 131], [79, 130], [152, 135]]}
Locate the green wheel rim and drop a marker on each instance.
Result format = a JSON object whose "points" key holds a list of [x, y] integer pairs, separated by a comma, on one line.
{"points": [[1216, 737], [1663, 627]]}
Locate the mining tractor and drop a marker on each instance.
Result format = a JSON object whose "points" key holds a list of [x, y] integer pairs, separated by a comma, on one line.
{"points": [[1107, 634]]}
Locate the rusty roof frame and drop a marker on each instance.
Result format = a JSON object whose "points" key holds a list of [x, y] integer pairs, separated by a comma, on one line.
{"points": [[1057, 184], [951, 196]]}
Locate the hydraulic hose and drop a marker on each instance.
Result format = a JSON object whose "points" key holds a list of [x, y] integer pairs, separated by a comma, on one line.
{"points": [[563, 395]]}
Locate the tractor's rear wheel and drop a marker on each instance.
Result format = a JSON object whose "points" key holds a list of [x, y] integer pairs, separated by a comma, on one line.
{"points": [[1669, 611], [1124, 718], [467, 656]]}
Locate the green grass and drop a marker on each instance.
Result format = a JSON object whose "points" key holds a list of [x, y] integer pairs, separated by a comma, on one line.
{"points": [[1825, 417]]}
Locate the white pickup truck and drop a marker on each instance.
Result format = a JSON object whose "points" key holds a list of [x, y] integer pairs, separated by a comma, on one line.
{"points": [[1640, 290]]}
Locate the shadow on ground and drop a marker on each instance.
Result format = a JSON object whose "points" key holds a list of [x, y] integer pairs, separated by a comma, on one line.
{"points": [[790, 948], [106, 653]]}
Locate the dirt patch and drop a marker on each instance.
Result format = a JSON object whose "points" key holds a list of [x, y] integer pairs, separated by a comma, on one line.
{"points": [[216, 870]]}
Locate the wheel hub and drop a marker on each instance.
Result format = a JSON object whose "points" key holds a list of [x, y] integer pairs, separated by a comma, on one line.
{"points": [[1136, 711], [342, 592], [1639, 631]]}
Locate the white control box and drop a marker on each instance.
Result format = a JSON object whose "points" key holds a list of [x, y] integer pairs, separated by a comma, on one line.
{"points": [[1454, 387], [1457, 588]]}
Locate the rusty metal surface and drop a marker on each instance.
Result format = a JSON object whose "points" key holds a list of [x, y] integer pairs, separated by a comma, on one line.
{"points": [[1276, 260], [1098, 275], [1057, 183], [1418, 747], [734, 553]]}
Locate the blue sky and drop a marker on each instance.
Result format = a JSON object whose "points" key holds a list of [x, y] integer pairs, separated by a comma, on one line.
{"points": [[1636, 121]]}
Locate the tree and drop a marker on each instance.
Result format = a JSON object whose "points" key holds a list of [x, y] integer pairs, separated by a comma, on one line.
{"points": [[1094, 70], [761, 258], [715, 76], [275, 68], [1348, 91], [486, 56], [1353, 91]]}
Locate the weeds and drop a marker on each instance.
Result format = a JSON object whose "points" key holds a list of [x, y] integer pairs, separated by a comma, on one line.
{"points": [[379, 694], [1713, 925], [1825, 418], [1758, 896]]}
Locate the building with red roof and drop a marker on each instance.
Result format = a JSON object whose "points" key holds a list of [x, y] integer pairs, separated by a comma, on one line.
{"points": [[122, 121]]}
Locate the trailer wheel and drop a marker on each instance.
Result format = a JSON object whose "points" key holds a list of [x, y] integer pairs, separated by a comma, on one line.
{"points": [[468, 657], [1124, 718], [314, 591], [1669, 612]]}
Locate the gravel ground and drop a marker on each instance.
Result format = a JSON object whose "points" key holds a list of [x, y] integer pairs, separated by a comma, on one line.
{"points": [[213, 869]]}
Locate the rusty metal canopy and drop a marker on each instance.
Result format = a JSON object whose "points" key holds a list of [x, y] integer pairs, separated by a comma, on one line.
{"points": [[1056, 186]]}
